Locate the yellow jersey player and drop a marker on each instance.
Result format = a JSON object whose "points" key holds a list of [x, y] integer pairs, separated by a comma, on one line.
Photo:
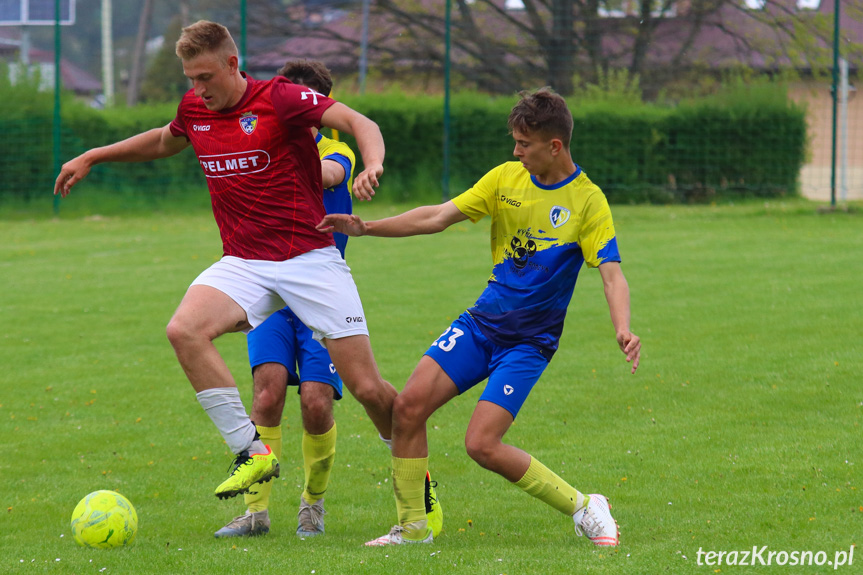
{"points": [[548, 219]]}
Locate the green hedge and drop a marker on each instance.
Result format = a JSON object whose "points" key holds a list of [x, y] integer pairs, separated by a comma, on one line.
{"points": [[746, 141]]}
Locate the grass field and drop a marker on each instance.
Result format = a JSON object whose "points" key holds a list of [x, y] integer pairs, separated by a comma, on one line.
{"points": [[742, 427]]}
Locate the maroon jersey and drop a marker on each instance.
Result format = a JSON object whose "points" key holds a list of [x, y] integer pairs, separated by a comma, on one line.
{"points": [[262, 167]]}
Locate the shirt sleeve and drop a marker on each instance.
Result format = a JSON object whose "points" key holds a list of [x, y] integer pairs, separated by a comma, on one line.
{"points": [[178, 124], [478, 201], [298, 105], [597, 237]]}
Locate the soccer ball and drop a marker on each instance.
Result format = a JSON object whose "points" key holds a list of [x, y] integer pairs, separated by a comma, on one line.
{"points": [[104, 519]]}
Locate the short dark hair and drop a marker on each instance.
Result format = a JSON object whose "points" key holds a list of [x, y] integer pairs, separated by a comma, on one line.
{"points": [[544, 112], [311, 73]]}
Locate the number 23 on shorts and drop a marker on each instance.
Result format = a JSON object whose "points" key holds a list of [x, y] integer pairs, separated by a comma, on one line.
{"points": [[447, 343]]}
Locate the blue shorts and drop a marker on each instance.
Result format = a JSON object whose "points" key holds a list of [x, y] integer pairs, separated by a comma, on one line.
{"points": [[468, 357], [283, 338]]}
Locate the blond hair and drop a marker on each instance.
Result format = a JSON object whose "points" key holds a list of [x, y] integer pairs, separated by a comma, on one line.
{"points": [[205, 37]]}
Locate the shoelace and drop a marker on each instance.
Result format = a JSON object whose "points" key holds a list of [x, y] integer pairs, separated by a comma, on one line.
{"points": [[238, 521], [309, 516], [241, 459], [429, 499], [593, 527]]}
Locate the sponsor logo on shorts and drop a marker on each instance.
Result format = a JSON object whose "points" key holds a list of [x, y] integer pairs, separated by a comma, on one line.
{"points": [[354, 319], [332, 368], [507, 390]]}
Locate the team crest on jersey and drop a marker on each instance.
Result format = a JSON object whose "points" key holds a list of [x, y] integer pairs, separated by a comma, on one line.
{"points": [[248, 122], [558, 216]]}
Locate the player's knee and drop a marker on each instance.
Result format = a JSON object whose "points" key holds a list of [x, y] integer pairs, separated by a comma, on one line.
{"points": [[481, 450], [317, 412], [408, 411], [178, 331], [371, 393]]}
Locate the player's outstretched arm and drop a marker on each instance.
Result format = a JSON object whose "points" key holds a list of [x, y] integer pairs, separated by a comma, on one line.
{"points": [[617, 295], [415, 222], [151, 145], [369, 141]]}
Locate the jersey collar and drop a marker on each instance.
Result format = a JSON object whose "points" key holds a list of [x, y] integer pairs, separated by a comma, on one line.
{"points": [[559, 184]]}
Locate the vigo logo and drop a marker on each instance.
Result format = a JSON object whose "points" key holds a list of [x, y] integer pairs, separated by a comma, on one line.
{"points": [[236, 164], [200, 128], [507, 390], [510, 201], [332, 368], [354, 319]]}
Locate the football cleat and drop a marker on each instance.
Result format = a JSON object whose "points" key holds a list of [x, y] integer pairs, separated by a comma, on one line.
{"points": [[248, 525], [595, 522], [248, 470], [310, 518], [396, 537], [434, 512]]}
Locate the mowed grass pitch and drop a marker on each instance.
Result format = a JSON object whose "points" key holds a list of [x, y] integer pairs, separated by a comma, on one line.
{"points": [[742, 427]]}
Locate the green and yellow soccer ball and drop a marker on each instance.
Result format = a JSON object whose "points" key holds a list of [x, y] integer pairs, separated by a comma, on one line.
{"points": [[104, 519]]}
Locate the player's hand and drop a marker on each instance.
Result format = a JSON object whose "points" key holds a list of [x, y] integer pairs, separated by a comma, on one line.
{"points": [[71, 173], [630, 344], [347, 224], [366, 182]]}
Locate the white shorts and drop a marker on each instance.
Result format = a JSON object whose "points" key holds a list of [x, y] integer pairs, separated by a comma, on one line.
{"points": [[316, 285]]}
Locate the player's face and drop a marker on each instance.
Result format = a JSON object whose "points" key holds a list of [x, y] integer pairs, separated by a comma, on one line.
{"points": [[214, 79], [534, 151]]}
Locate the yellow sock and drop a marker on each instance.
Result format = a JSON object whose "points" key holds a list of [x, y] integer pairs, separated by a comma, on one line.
{"points": [[319, 452], [258, 497], [409, 477], [545, 485]]}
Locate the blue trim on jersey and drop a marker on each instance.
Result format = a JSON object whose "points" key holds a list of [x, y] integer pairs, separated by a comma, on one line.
{"points": [[610, 253], [558, 185]]}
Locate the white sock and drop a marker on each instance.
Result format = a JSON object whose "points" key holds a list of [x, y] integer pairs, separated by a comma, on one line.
{"points": [[225, 408], [389, 442]]}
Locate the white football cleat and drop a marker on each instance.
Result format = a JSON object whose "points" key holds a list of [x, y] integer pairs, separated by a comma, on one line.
{"points": [[396, 537], [595, 521]]}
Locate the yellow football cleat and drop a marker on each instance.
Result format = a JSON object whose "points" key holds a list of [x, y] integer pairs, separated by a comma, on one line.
{"points": [[248, 470], [434, 512]]}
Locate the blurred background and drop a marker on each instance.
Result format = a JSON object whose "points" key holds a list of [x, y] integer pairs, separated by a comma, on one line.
{"points": [[688, 100]]}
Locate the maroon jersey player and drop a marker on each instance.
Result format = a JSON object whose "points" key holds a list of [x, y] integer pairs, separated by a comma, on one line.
{"points": [[254, 144]]}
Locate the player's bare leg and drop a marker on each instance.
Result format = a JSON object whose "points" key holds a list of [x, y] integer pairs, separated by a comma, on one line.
{"points": [[204, 314], [484, 442], [353, 359]]}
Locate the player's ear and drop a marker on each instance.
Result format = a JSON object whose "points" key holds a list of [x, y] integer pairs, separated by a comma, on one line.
{"points": [[233, 62], [556, 146]]}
